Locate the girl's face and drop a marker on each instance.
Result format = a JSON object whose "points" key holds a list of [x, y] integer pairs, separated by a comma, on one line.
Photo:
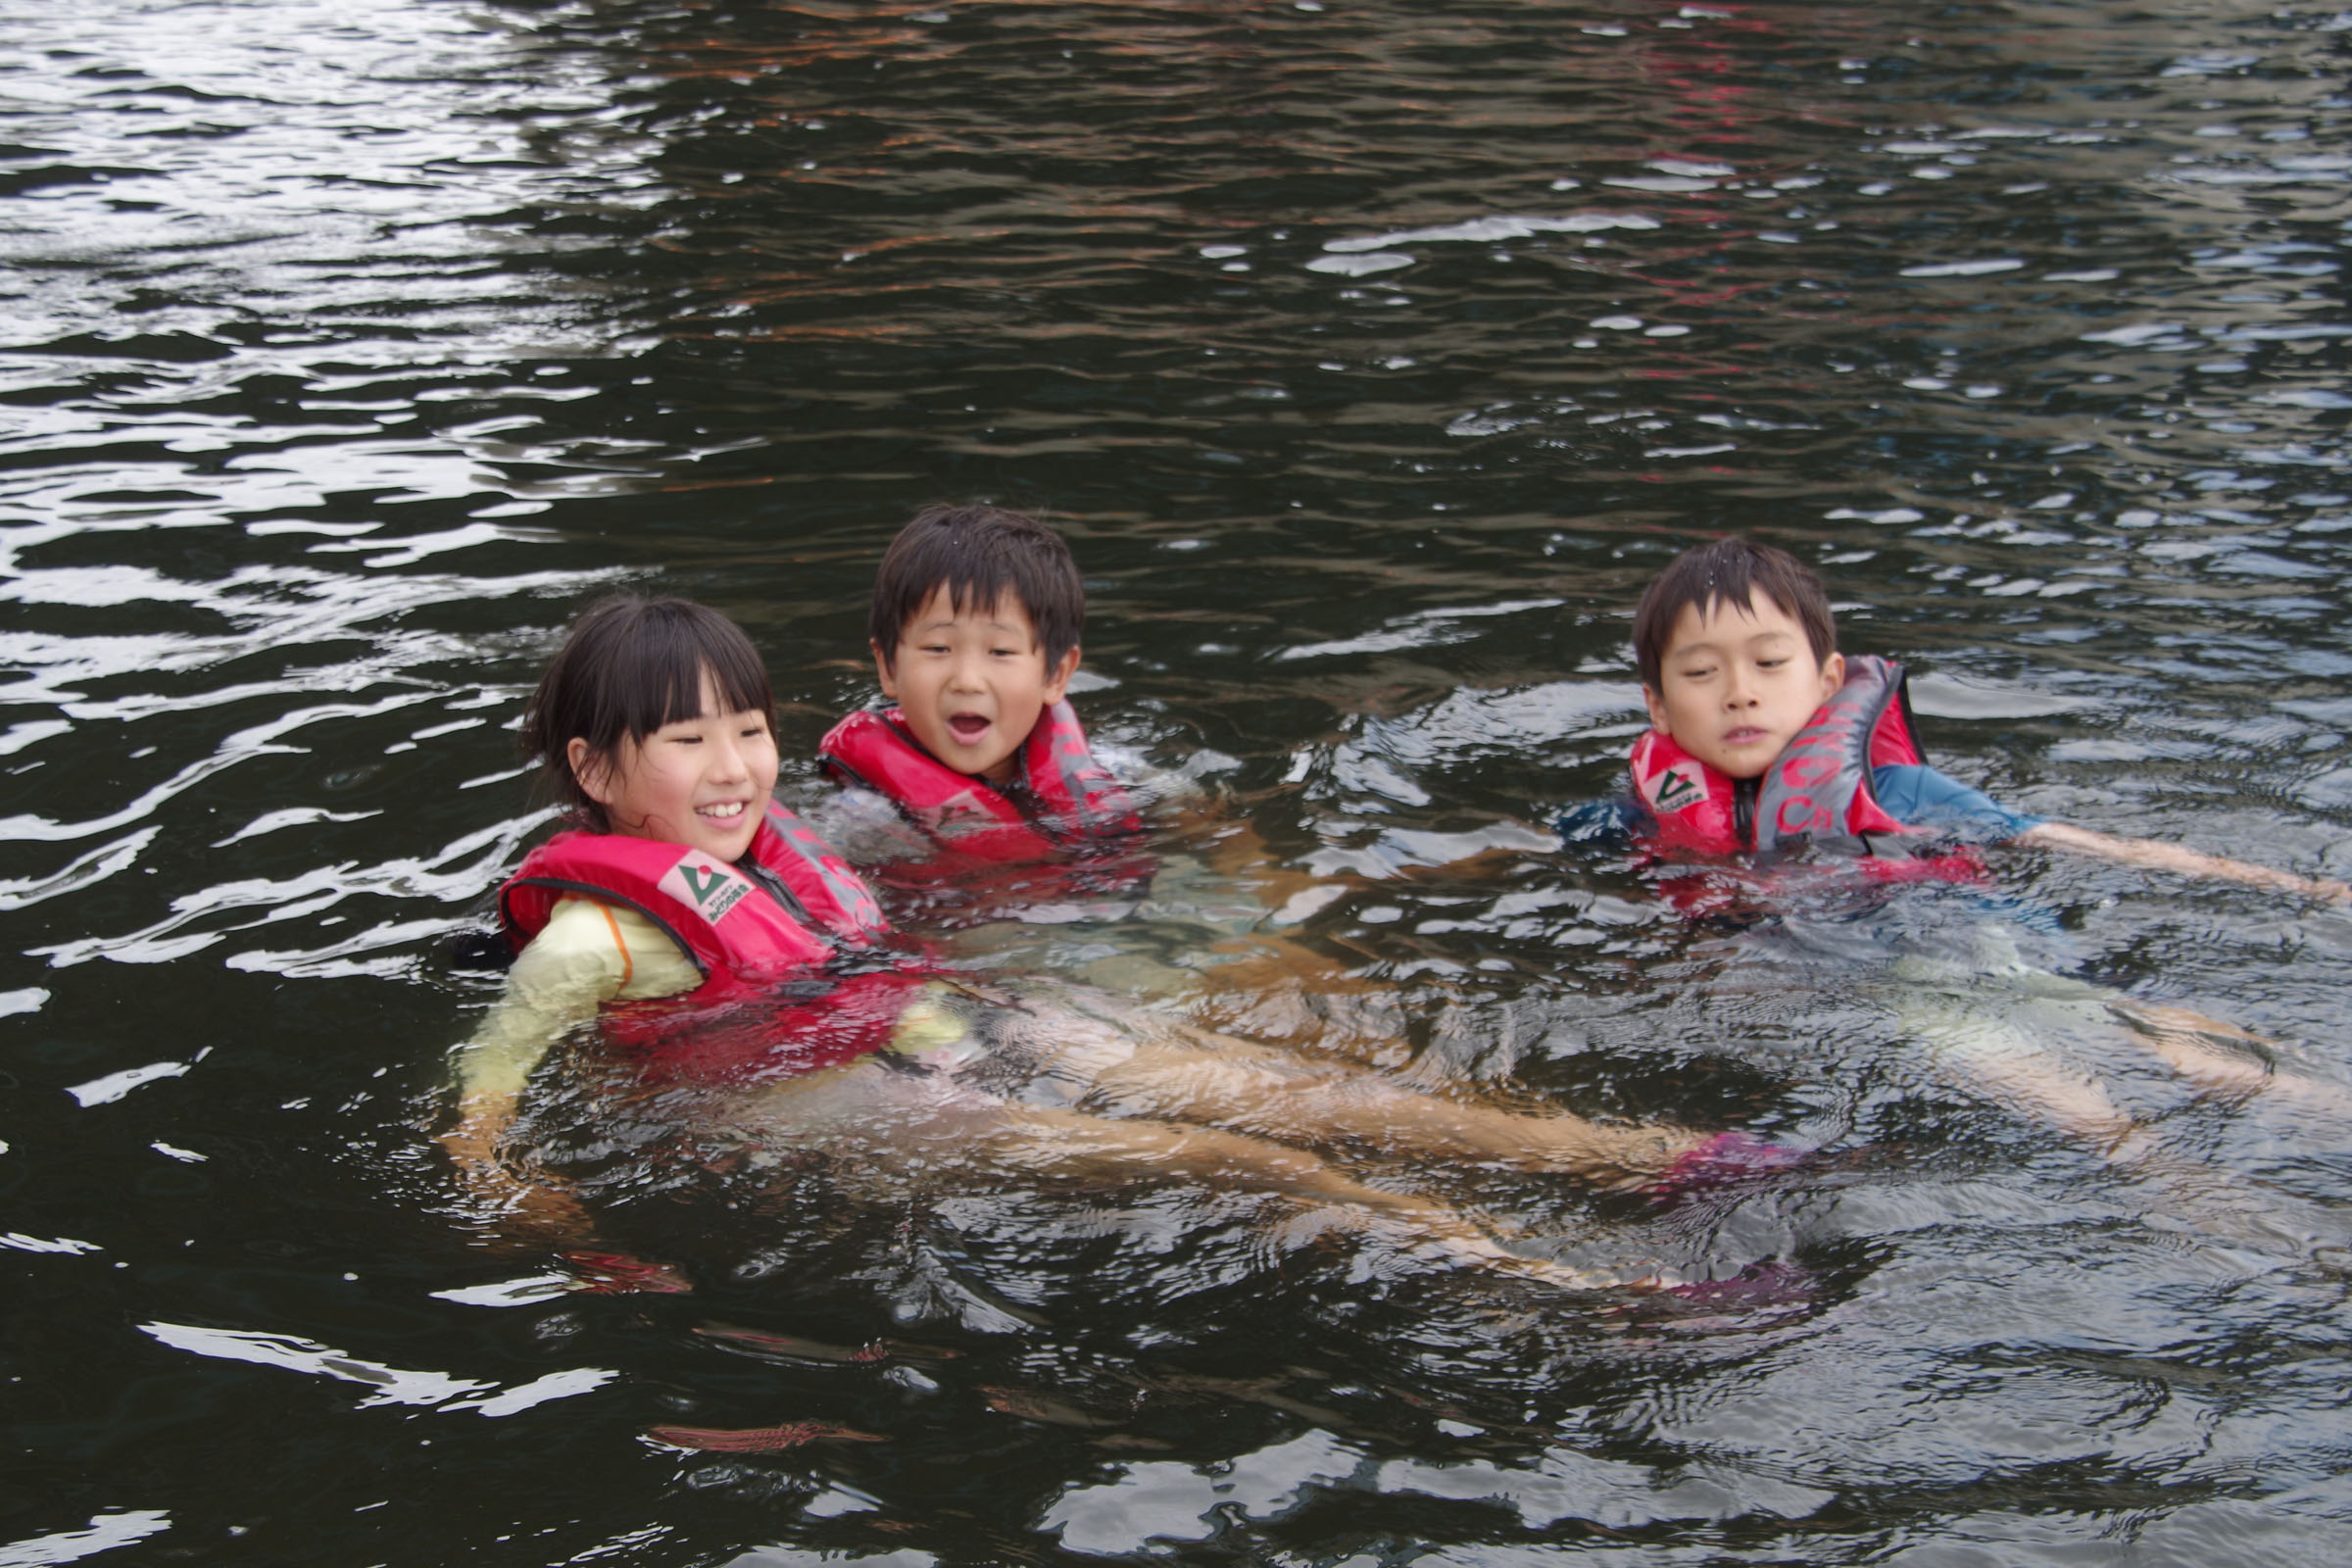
{"points": [[702, 782]]}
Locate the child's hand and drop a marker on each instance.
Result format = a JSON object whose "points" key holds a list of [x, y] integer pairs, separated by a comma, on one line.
{"points": [[2302, 887], [515, 1208]]}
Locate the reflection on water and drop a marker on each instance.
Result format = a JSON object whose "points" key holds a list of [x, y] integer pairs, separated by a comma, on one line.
{"points": [[1372, 358]]}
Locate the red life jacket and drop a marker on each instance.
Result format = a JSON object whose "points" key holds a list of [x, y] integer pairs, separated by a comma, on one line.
{"points": [[761, 930], [1818, 789], [1076, 800], [786, 907]]}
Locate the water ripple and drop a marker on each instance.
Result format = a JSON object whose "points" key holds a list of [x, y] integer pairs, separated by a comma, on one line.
{"points": [[1373, 356]]}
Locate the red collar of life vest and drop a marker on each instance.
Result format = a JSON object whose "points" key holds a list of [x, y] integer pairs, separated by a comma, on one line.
{"points": [[1066, 797]]}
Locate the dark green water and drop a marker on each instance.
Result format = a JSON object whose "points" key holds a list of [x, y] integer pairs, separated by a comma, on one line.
{"points": [[1371, 356]]}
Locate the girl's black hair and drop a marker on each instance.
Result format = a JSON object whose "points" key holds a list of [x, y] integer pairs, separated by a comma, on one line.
{"points": [[628, 667]]}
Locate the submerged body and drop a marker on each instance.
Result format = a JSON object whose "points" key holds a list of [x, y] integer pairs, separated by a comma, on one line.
{"points": [[1993, 1021], [685, 880]]}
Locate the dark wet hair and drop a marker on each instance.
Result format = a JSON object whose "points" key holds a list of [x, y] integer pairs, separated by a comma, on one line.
{"points": [[1730, 571], [979, 555], [628, 667]]}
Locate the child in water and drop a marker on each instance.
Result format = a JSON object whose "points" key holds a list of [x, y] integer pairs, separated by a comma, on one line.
{"points": [[1765, 737], [678, 873], [680, 877], [974, 626], [980, 789]]}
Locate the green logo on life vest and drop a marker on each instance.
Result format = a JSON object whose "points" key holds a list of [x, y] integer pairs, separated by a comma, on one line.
{"points": [[712, 889], [1678, 788]]}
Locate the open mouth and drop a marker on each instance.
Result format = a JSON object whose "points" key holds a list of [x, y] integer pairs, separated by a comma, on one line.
{"points": [[967, 728], [722, 812]]}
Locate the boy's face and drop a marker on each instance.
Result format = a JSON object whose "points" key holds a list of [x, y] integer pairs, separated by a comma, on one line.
{"points": [[1738, 684], [972, 685]]}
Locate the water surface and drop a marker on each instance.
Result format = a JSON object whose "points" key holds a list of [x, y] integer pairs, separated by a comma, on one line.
{"points": [[1372, 359]]}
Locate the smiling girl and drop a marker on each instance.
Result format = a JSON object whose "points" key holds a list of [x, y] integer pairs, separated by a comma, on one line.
{"points": [[677, 872]]}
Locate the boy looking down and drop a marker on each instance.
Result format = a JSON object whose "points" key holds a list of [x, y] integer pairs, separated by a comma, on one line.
{"points": [[1764, 735]]}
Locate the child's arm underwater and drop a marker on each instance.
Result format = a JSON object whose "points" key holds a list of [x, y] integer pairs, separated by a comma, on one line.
{"points": [[2154, 855], [589, 953], [1922, 797]]}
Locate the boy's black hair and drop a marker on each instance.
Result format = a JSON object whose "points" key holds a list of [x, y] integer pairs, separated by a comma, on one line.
{"points": [[1730, 571], [628, 667], [980, 555]]}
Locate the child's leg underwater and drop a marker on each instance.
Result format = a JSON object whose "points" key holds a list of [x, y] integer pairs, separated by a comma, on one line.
{"points": [[1139, 1065], [2178, 1192], [2215, 1058], [2200, 1050], [1116, 1149], [897, 1130], [1195, 1076], [1993, 1054]]}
